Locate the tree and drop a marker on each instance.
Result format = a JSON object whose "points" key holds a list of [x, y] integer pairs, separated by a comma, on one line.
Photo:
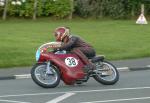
{"points": [[100, 8], [5, 10], [71, 9], [35, 9]]}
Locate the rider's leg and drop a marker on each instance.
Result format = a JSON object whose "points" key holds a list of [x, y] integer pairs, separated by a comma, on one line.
{"points": [[85, 60]]}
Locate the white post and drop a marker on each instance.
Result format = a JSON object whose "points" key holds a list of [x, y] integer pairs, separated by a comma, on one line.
{"points": [[142, 19], [142, 9]]}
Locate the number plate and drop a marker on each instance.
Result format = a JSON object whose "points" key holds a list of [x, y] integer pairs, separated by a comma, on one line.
{"points": [[71, 62]]}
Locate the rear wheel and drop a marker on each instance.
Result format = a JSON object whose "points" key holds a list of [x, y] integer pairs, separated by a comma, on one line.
{"points": [[41, 78], [106, 73]]}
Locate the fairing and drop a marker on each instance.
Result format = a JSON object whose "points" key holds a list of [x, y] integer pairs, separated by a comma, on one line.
{"points": [[69, 73]]}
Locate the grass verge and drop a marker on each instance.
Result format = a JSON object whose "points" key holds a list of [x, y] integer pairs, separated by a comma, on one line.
{"points": [[116, 39]]}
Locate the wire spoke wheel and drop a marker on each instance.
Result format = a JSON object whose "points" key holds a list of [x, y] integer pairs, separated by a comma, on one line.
{"points": [[40, 73], [106, 73], [44, 79]]}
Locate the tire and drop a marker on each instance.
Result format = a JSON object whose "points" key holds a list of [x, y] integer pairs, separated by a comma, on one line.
{"points": [[103, 74], [39, 76]]}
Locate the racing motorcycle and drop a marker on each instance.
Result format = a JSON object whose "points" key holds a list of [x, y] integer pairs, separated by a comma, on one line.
{"points": [[55, 65]]}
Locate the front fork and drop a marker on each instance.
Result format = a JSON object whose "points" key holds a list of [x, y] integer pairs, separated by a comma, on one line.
{"points": [[48, 68]]}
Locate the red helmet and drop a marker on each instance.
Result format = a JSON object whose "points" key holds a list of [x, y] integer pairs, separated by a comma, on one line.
{"points": [[61, 32]]}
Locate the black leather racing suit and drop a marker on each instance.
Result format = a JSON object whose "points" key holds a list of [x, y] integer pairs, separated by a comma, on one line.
{"points": [[78, 46]]}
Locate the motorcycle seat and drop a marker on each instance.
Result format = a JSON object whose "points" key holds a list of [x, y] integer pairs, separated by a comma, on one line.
{"points": [[98, 58]]}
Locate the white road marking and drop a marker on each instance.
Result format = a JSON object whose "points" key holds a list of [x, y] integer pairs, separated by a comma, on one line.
{"points": [[118, 100], [23, 76], [10, 101], [123, 69], [86, 91], [59, 99], [148, 66]]}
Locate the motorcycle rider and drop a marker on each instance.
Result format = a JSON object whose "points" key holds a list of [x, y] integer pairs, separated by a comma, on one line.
{"points": [[76, 45]]}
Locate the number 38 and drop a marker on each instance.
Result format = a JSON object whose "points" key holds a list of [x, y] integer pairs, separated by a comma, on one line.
{"points": [[70, 61]]}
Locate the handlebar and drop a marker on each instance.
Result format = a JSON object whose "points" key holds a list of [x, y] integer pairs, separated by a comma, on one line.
{"points": [[50, 45]]}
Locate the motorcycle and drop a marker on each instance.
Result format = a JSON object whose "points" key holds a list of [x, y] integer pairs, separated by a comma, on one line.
{"points": [[55, 65]]}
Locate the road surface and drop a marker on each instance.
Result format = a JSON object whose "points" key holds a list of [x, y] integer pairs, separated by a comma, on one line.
{"points": [[133, 87]]}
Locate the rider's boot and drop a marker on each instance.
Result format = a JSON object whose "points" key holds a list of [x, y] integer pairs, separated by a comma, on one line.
{"points": [[89, 68]]}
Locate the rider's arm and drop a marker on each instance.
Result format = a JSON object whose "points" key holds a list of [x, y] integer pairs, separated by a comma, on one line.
{"points": [[69, 45]]}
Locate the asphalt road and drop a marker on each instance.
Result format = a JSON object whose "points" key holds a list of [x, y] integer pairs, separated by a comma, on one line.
{"points": [[133, 87]]}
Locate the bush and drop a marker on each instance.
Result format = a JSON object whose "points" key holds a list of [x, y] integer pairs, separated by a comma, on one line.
{"points": [[110, 8], [99, 8], [25, 9], [85, 8], [57, 8]]}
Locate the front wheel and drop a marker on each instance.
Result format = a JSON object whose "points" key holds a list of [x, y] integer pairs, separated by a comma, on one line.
{"points": [[43, 79], [106, 73]]}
